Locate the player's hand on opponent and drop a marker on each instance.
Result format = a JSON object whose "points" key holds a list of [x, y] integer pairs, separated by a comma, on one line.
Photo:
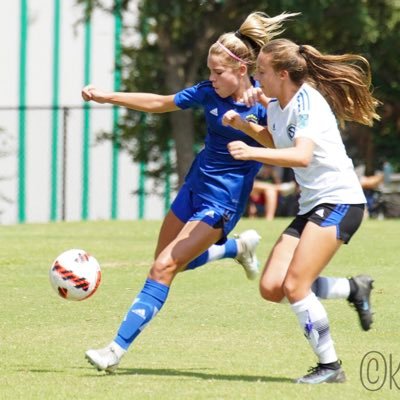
{"points": [[233, 119], [90, 92], [255, 95], [239, 150]]}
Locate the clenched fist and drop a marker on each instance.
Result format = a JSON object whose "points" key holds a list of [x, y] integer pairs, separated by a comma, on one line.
{"points": [[239, 150], [90, 92]]}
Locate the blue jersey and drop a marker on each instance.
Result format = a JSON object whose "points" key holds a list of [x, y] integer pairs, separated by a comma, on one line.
{"points": [[215, 175]]}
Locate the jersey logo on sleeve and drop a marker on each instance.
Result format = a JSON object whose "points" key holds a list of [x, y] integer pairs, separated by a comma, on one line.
{"points": [[302, 121], [214, 111]]}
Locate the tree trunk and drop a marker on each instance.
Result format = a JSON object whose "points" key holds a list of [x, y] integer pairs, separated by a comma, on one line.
{"points": [[182, 132], [181, 122]]}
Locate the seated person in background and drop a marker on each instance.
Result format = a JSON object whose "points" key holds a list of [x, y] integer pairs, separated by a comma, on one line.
{"points": [[267, 188], [371, 186], [371, 182]]}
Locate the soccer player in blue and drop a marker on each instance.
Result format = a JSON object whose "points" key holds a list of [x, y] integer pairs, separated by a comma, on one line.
{"points": [[216, 188]]}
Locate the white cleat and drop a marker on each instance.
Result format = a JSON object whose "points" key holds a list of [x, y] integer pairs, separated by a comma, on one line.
{"points": [[247, 257], [105, 359]]}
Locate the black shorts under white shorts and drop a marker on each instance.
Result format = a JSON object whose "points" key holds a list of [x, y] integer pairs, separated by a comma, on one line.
{"points": [[346, 217]]}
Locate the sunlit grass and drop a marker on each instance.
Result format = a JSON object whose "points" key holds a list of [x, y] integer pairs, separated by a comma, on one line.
{"points": [[214, 339]]}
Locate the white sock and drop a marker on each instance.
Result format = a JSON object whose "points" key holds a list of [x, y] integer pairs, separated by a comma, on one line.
{"points": [[215, 252], [118, 350], [331, 288], [314, 321], [239, 245]]}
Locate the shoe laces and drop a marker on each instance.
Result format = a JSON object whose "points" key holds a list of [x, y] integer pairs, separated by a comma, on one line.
{"points": [[319, 368], [315, 370]]}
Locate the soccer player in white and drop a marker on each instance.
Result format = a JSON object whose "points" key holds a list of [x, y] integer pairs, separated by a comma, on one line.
{"points": [[309, 94]]}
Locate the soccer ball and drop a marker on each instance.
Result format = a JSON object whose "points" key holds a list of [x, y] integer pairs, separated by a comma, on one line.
{"points": [[75, 275]]}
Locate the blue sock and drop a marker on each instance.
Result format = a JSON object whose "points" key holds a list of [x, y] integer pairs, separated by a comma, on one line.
{"points": [[215, 252], [144, 308], [231, 249], [199, 261]]}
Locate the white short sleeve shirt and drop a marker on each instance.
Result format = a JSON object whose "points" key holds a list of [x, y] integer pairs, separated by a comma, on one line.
{"points": [[330, 177]]}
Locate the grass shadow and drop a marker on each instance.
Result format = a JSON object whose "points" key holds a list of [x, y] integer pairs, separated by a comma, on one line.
{"points": [[161, 372], [199, 375]]}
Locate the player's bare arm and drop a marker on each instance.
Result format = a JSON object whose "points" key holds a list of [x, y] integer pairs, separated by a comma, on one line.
{"points": [[298, 156], [257, 132], [146, 102]]}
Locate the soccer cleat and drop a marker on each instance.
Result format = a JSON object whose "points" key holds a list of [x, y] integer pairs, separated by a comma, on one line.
{"points": [[247, 257], [361, 299], [321, 374], [105, 359]]}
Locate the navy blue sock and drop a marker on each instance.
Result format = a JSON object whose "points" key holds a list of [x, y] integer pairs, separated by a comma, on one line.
{"points": [[199, 261], [144, 308]]}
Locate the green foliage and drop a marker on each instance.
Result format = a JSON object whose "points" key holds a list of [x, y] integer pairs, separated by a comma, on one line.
{"points": [[171, 54], [175, 37]]}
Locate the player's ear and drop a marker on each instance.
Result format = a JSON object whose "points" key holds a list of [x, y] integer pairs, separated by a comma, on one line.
{"points": [[283, 74], [243, 69]]}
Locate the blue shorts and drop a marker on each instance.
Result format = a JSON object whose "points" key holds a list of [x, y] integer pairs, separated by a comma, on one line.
{"points": [[189, 206], [346, 217]]}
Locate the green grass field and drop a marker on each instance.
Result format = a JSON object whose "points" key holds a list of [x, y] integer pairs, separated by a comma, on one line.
{"points": [[214, 339]]}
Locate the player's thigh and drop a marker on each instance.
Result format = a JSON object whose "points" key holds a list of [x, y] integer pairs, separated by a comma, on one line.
{"points": [[315, 249], [182, 208], [193, 239], [170, 229], [276, 267]]}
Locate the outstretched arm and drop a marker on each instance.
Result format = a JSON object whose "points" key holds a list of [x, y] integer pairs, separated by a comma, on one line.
{"points": [[147, 102], [257, 132], [298, 156]]}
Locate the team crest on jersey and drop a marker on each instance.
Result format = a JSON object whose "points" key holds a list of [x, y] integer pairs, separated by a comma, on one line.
{"points": [[291, 130], [252, 118]]}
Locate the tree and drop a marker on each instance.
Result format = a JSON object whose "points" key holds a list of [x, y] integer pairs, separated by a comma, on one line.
{"points": [[174, 39], [370, 28]]}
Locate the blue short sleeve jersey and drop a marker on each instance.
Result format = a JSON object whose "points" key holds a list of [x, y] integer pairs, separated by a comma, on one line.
{"points": [[215, 175]]}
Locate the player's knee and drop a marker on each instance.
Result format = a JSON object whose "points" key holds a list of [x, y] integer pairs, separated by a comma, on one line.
{"points": [[271, 293], [293, 289], [164, 269]]}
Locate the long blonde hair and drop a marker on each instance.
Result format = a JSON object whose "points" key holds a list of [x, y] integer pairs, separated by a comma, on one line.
{"points": [[245, 44], [344, 80]]}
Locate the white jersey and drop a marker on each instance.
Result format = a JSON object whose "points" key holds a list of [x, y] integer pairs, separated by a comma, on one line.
{"points": [[330, 176]]}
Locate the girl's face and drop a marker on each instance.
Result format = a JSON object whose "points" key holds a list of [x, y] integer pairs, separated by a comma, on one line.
{"points": [[270, 80], [225, 80]]}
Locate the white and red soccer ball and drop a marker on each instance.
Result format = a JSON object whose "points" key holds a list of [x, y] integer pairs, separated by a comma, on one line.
{"points": [[75, 275]]}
